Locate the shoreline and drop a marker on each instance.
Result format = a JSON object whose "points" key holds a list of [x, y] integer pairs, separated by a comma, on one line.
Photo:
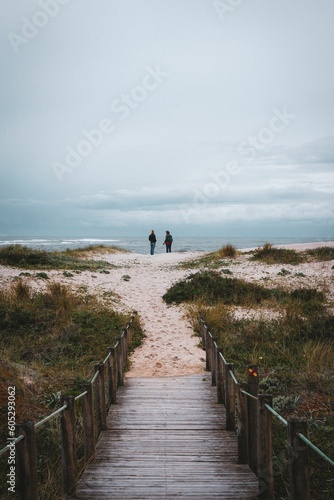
{"points": [[181, 244]]}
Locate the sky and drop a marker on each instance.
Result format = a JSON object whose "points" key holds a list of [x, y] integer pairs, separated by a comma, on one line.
{"points": [[204, 117]]}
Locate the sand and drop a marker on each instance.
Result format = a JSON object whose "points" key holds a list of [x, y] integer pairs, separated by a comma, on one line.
{"points": [[138, 283]]}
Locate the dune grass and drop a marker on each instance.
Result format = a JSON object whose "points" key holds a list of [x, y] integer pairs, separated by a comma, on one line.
{"points": [[27, 258], [293, 349], [50, 342], [271, 255], [321, 253], [212, 260], [295, 356]]}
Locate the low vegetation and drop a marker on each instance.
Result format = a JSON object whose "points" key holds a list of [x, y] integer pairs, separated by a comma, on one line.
{"points": [[321, 253], [272, 255], [76, 260], [293, 348], [228, 251], [50, 342]]}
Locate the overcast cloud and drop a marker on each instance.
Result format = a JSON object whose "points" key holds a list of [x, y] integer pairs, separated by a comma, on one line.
{"points": [[207, 117]]}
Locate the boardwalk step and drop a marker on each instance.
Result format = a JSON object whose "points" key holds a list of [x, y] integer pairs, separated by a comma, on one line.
{"points": [[166, 439]]}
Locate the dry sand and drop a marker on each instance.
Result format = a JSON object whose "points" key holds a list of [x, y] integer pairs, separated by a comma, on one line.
{"points": [[170, 347]]}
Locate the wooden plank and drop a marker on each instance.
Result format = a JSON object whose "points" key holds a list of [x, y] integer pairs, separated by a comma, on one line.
{"points": [[166, 438]]}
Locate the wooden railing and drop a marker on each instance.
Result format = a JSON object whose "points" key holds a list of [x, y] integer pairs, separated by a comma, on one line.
{"points": [[97, 396], [250, 414]]}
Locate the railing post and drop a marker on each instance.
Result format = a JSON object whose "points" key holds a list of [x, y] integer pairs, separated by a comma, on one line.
{"points": [[253, 388], [88, 421], [214, 363], [299, 474], [100, 399], [26, 455], [130, 331], [124, 337], [208, 350], [112, 375], [220, 377], [265, 449], [120, 362], [229, 398], [68, 446], [202, 327], [243, 452]]}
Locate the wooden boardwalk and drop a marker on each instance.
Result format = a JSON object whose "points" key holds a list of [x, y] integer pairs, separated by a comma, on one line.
{"points": [[166, 439]]}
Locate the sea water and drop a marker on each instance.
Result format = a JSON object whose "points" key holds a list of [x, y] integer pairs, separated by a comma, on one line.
{"points": [[140, 244]]}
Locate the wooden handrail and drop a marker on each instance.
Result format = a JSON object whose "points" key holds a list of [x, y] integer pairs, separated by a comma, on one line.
{"points": [[94, 407], [250, 414]]}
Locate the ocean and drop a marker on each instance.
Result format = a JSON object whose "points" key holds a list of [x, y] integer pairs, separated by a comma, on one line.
{"points": [[139, 244]]}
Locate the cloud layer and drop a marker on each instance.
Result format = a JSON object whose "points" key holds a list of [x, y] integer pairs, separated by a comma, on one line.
{"points": [[118, 116]]}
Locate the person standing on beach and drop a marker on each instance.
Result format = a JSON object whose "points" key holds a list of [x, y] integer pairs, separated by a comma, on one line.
{"points": [[168, 241], [153, 241]]}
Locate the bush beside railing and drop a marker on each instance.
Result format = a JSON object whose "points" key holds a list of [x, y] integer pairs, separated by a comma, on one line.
{"points": [[250, 414], [97, 396]]}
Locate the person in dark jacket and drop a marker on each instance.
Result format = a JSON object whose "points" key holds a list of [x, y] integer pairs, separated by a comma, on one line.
{"points": [[153, 241], [168, 241]]}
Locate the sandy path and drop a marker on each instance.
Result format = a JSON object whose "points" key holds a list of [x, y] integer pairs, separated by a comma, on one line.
{"points": [[170, 347]]}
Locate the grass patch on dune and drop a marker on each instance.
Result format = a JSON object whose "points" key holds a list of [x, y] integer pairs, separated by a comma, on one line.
{"points": [[212, 260], [271, 255], [321, 253], [211, 287], [95, 249], [27, 258], [50, 342]]}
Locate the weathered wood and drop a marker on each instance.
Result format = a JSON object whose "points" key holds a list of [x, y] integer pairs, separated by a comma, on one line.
{"points": [[243, 452], [68, 446], [229, 397], [265, 449], [88, 422], [220, 377], [202, 328], [208, 351], [299, 474], [112, 376], [124, 337], [166, 439], [120, 362], [100, 398], [253, 388], [26, 456], [214, 363]]}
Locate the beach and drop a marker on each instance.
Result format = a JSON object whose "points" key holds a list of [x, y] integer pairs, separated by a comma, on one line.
{"points": [[138, 282]]}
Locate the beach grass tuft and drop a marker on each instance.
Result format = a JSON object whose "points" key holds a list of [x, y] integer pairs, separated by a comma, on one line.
{"points": [[228, 251]]}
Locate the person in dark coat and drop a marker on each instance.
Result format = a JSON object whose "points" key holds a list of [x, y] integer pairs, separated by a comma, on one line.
{"points": [[168, 241], [153, 241]]}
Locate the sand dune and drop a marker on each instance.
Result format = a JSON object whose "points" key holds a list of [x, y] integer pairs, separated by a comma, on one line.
{"points": [[139, 282]]}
